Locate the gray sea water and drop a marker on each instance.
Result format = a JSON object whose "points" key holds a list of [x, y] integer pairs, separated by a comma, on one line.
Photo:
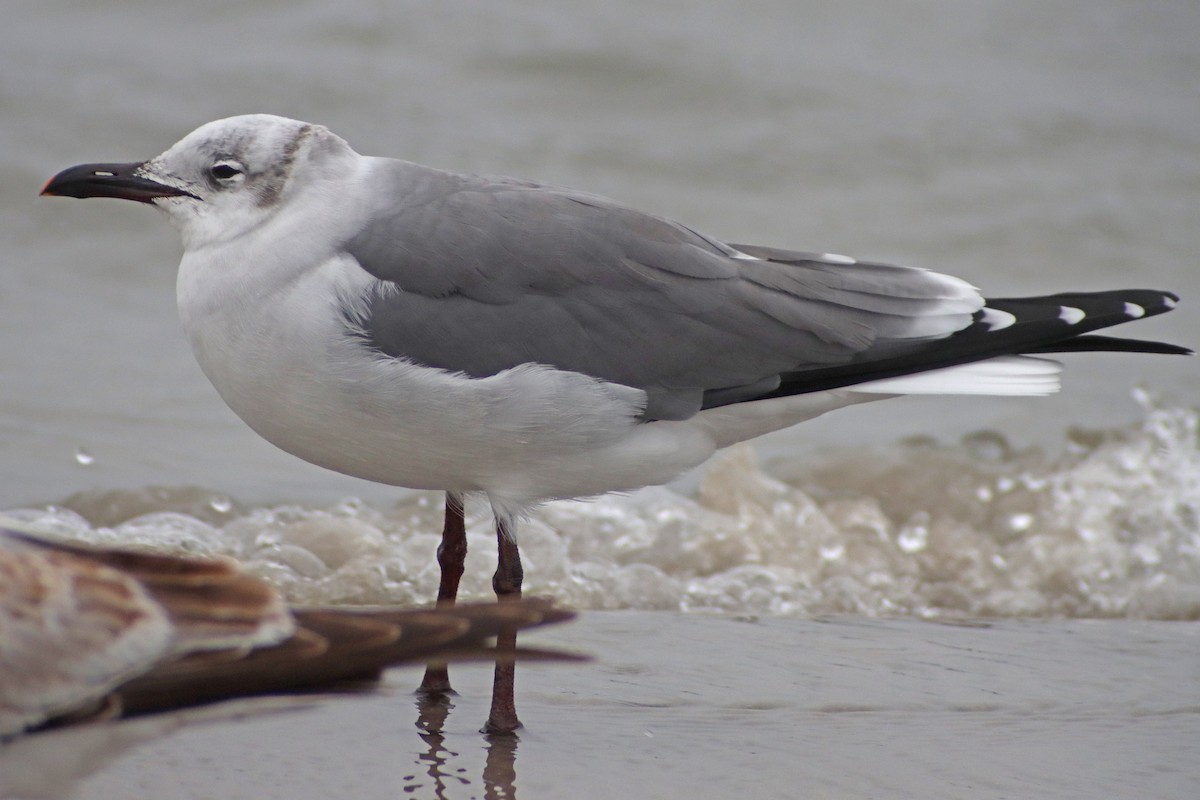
{"points": [[1027, 147]]}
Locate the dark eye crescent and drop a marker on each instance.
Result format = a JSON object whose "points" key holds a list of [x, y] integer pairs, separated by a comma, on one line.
{"points": [[223, 170]]}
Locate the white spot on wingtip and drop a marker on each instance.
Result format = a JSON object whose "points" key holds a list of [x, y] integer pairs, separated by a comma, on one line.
{"points": [[1071, 315], [836, 258], [745, 256], [1133, 311], [1169, 302], [997, 320]]}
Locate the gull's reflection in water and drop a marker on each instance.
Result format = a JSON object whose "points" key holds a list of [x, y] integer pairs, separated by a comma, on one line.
{"points": [[500, 769], [439, 762], [442, 766]]}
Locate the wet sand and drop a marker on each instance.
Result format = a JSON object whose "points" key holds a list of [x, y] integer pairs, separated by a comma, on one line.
{"points": [[717, 707]]}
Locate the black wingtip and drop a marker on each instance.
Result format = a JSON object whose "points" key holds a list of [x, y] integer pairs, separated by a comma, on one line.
{"points": [[1113, 344], [1060, 323]]}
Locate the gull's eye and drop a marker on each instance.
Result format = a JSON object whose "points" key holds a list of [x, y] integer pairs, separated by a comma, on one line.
{"points": [[224, 171]]}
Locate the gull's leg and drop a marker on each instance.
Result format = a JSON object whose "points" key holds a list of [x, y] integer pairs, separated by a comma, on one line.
{"points": [[451, 554], [507, 583]]}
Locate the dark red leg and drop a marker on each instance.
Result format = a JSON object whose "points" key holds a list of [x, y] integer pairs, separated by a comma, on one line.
{"points": [[507, 583], [451, 554]]}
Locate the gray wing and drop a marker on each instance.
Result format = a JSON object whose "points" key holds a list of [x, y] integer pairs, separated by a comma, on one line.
{"points": [[477, 275]]}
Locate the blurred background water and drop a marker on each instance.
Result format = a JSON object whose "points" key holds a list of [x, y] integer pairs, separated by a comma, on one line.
{"points": [[1027, 147]]}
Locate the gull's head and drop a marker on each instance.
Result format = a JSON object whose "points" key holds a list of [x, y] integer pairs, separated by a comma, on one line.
{"points": [[222, 179]]}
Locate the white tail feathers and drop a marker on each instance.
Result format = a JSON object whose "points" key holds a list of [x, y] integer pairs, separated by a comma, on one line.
{"points": [[1004, 375]]}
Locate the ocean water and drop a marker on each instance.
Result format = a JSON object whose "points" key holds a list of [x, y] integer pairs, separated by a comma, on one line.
{"points": [[1029, 148]]}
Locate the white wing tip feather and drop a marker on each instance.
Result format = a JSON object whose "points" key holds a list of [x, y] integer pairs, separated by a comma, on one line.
{"points": [[1013, 376]]}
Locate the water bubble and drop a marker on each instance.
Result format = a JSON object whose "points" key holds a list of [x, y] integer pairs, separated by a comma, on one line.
{"points": [[1147, 553], [915, 535], [1019, 523], [832, 553]]}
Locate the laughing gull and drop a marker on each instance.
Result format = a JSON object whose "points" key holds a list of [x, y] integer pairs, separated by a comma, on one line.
{"points": [[98, 632], [491, 335]]}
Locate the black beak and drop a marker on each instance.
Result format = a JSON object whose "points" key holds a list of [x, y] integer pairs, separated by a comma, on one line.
{"points": [[109, 180]]}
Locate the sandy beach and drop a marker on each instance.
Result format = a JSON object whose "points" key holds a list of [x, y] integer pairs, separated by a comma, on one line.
{"points": [[716, 707]]}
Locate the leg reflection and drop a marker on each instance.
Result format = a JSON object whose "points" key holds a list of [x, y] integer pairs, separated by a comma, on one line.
{"points": [[439, 762], [500, 770], [444, 768]]}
